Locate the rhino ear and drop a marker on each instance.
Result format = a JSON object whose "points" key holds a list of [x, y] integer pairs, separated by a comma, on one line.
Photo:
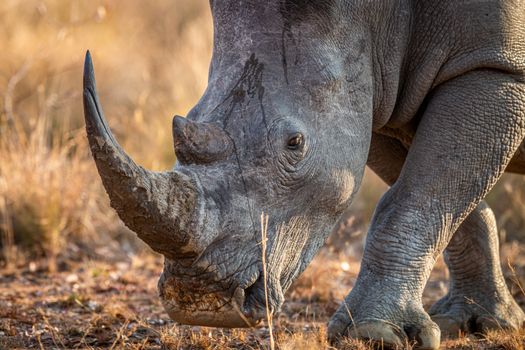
{"points": [[158, 206], [199, 143]]}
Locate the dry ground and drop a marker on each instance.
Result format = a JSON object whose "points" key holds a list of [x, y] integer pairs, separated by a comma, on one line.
{"points": [[112, 304], [71, 276]]}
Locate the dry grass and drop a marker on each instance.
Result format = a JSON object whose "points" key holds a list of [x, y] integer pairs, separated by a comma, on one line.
{"points": [[264, 241], [47, 196], [49, 191], [71, 277]]}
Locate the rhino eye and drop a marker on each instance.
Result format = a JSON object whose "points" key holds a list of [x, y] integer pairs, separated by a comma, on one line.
{"points": [[295, 142]]}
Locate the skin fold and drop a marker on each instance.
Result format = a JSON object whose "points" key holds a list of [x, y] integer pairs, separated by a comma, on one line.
{"points": [[302, 95]]}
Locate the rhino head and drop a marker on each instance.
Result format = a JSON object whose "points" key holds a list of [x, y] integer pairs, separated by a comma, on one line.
{"points": [[283, 129]]}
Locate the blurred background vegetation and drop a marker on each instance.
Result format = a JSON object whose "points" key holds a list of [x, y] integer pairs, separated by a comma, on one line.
{"points": [[152, 62]]}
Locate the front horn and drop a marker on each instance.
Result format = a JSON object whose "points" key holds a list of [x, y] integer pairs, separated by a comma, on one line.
{"points": [[158, 206]]}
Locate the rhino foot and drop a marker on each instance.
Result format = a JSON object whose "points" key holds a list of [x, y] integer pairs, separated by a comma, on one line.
{"points": [[411, 326], [460, 314]]}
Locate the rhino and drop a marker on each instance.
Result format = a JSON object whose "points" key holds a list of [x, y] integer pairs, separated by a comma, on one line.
{"points": [[301, 96]]}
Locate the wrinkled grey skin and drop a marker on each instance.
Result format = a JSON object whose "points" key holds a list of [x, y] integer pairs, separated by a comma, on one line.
{"points": [[302, 95]]}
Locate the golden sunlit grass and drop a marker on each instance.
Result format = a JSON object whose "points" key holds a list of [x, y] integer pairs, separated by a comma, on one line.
{"points": [[47, 194], [151, 63], [50, 193]]}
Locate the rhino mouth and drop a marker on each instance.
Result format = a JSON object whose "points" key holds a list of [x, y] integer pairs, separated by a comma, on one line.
{"points": [[242, 308], [213, 310], [262, 299]]}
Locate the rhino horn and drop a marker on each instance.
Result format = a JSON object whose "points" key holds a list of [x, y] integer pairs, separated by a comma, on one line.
{"points": [[199, 143], [158, 206]]}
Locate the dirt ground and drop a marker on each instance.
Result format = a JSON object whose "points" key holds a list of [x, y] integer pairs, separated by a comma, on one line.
{"points": [[152, 63], [112, 304]]}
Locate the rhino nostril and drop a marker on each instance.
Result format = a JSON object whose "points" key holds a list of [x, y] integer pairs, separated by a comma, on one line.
{"points": [[248, 313], [411, 332], [255, 306]]}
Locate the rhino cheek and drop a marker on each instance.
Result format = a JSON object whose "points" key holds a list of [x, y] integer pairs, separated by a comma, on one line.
{"points": [[345, 182]]}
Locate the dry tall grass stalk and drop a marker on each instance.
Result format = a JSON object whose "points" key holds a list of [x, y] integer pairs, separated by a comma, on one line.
{"points": [[7, 235], [514, 277], [264, 239]]}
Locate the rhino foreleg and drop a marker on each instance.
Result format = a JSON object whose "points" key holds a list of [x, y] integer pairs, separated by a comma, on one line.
{"points": [[471, 128], [478, 297]]}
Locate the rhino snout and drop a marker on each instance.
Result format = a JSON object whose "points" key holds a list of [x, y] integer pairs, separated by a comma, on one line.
{"points": [[190, 300]]}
